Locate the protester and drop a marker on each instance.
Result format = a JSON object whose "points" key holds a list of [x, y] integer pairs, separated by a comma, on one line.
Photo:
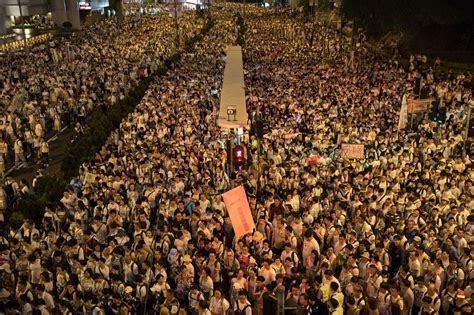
{"points": [[69, 78], [144, 229]]}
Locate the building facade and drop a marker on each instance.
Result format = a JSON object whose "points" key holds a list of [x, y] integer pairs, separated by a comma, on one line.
{"points": [[61, 10]]}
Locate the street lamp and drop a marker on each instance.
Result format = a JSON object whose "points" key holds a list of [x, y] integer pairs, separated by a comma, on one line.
{"points": [[22, 22], [176, 23]]}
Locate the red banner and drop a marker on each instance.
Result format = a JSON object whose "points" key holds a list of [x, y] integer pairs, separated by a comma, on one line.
{"points": [[312, 160]]}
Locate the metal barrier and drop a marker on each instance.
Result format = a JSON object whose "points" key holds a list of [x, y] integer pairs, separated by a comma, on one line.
{"points": [[275, 303]]}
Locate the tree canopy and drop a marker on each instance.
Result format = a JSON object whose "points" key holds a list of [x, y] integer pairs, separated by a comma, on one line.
{"points": [[381, 16]]}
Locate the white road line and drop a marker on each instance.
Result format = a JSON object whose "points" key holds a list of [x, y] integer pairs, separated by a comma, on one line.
{"points": [[52, 138], [10, 170], [15, 167], [23, 164]]}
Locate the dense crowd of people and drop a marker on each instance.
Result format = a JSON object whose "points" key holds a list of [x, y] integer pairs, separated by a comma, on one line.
{"points": [[59, 83], [144, 228]]}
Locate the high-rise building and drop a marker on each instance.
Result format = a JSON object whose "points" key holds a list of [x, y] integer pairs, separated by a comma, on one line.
{"points": [[61, 10]]}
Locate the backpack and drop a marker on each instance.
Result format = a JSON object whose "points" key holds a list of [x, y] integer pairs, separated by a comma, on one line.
{"points": [[435, 300], [138, 293], [299, 266], [359, 301], [216, 264]]}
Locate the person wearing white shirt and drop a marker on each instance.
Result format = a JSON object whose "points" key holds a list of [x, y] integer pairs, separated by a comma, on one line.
{"points": [[42, 308], [469, 290], [267, 272], [218, 305], [34, 269], [160, 287], [432, 293], [187, 261], [309, 244], [205, 283], [47, 297], [203, 309], [102, 269], [26, 307], [288, 252]]}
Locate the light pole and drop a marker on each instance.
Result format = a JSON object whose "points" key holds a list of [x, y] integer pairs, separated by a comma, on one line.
{"points": [[22, 23], [466, 134], [176, 23]]}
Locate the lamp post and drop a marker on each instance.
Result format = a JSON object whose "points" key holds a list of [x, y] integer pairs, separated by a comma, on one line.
{"points": [[176, 23], [468, 126], [22, 23]]}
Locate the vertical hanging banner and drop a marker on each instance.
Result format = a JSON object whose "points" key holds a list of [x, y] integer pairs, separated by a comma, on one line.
{"points": [[403, 118], [239, 211]]}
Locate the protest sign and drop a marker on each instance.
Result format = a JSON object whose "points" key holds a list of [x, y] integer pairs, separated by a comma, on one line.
{"points": [[89, 178], [419, 106], [289, 136], [403, 118], [239, 211], [352, 151]]}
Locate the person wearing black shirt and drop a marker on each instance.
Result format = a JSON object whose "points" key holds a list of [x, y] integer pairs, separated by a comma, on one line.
{"points": [[180, 223], [397, 255], [276, 208]]}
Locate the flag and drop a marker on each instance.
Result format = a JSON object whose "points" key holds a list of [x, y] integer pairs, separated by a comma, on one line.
{"points": [[403, 119], [239, 211]]}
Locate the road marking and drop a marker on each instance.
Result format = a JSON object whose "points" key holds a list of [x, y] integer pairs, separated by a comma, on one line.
{"points": [[15, 167], [52, 138], [10, 170], [23, 164]]}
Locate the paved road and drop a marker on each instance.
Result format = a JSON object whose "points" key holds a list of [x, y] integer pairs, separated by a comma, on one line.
{"points": [[57, 148]]}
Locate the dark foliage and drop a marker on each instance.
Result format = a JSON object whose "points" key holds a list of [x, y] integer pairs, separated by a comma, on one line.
{"points": [[47, 192], [67, 25], [381, 16]]}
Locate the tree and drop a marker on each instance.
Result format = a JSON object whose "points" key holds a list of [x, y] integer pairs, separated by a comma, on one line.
{"points": [[382, 16], [67, 25]]}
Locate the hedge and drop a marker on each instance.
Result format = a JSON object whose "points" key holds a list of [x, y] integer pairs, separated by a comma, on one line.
{"points": [[49, 190]]}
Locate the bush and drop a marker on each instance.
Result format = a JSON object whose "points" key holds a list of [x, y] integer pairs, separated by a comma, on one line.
{"points": [[67, 25], [47, 192], [99, 129], [16, 219]]}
